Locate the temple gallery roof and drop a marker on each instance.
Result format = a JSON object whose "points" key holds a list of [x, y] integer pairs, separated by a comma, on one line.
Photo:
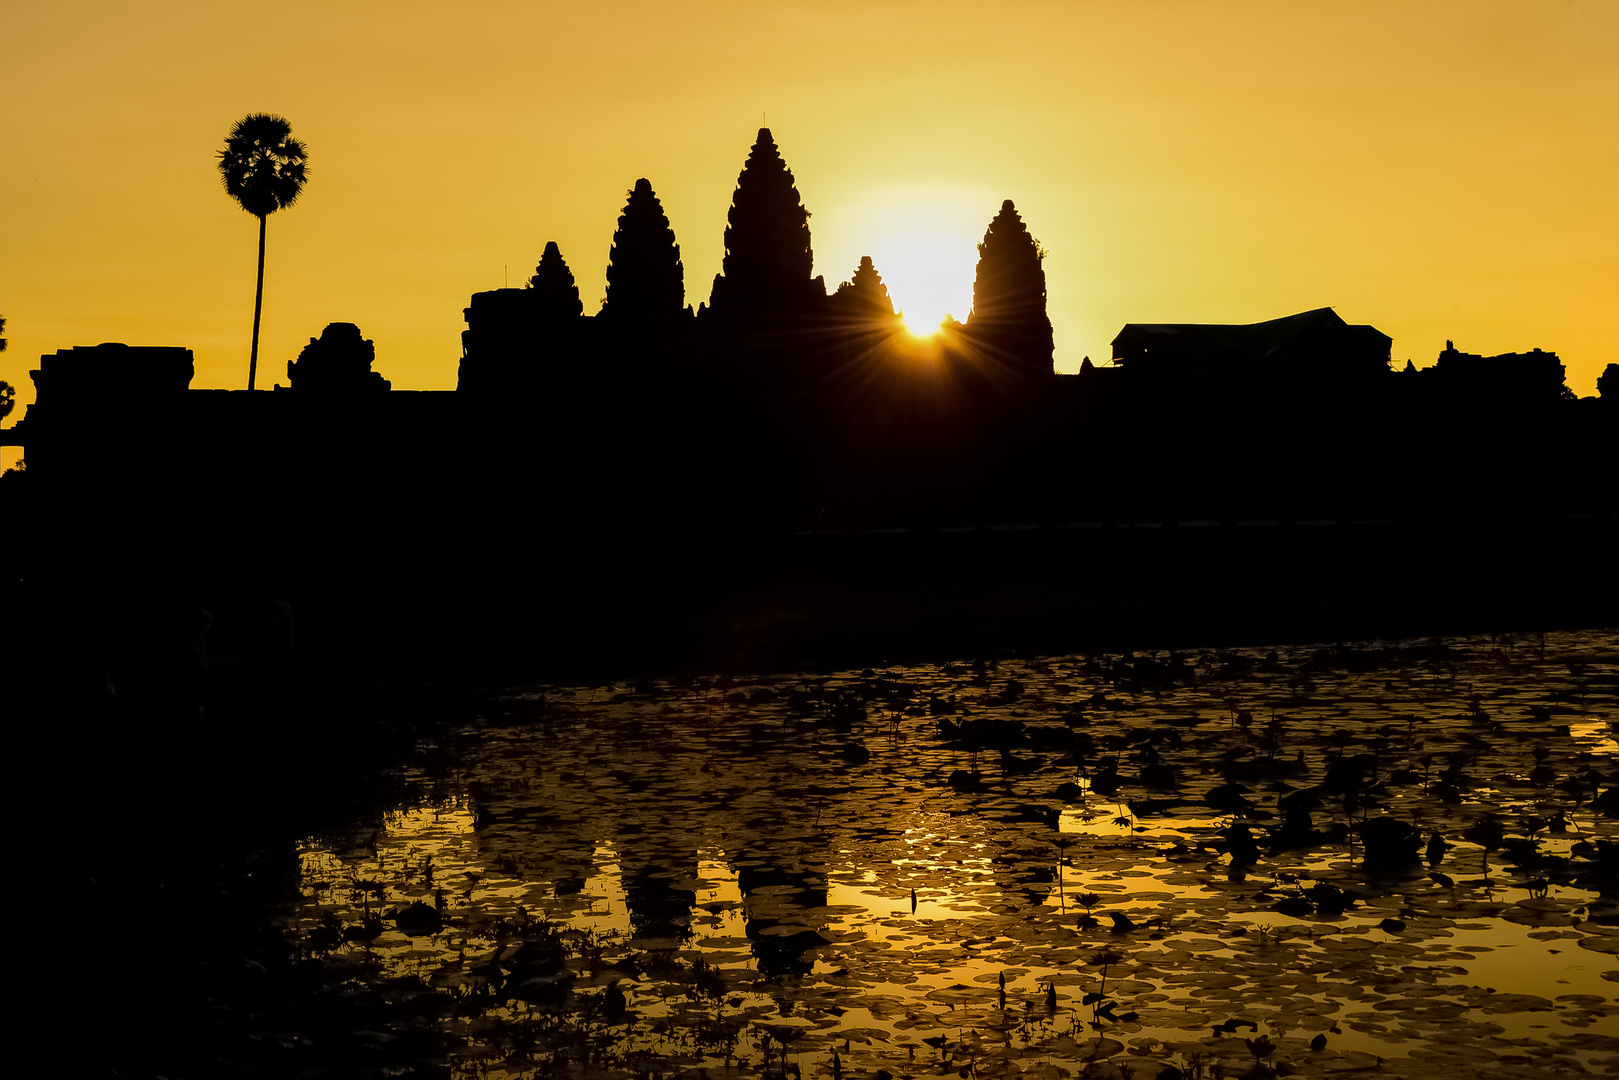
{"points": [[1318, 334]]}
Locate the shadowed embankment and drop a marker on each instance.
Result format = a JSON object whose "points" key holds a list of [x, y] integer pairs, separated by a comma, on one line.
{"points": [[627, 606]]}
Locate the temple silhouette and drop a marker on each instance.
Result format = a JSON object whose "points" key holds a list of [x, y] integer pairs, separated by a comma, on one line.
{"points": [[778, 404]]}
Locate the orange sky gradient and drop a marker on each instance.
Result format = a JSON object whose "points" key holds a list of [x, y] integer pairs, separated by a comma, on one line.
{"points": [[1439, 170]]}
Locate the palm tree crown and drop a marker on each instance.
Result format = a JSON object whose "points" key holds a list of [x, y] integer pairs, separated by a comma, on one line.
{"points": [[263, 166]]}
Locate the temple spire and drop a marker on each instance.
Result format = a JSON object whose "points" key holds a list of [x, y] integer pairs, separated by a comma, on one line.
{"points": [[768, 258], [645, 279], [863, 298], [1009, 294], [554, 284]]}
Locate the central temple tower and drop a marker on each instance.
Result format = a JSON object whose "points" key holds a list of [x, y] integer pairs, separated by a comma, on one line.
{"points": [[768, 258]]}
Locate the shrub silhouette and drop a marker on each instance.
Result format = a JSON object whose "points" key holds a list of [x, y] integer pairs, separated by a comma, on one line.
{"points": [[645, 279], [336, 363], [264, 169], [556, 295]]}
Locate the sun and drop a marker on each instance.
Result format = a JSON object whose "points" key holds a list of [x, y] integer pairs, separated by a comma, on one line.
{"points": [[929, 274], [922, 326], [923, 241]]}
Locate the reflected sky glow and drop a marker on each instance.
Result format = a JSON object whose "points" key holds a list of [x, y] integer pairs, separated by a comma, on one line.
{"points": [[722, 859]]}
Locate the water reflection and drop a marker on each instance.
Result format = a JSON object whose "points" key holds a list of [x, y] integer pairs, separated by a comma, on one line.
{"points": [[756, 877]]}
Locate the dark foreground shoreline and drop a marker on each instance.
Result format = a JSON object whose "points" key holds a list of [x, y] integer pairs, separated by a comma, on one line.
{"points": [[631, 607], [450, 608]]}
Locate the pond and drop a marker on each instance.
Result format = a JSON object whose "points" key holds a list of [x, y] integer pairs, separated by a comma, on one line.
{"points": [[1386, 859]]}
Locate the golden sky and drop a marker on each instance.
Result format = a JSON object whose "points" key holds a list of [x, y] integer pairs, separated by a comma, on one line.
{"points": [[1439, 170]]}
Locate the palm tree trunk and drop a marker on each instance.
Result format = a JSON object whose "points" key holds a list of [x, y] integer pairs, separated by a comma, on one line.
{"points": [[258, 305]]}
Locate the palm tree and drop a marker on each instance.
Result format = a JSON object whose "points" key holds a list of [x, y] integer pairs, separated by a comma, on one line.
{"points": [[264, 169]]}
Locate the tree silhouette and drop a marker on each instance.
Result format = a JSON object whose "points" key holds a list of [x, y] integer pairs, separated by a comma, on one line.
{"points": [[1009, 293], [767, 241], [863, 300], [556, 295], [8, 396], [645, 280], [1607, 382], [338, 363], [264, 169]]}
